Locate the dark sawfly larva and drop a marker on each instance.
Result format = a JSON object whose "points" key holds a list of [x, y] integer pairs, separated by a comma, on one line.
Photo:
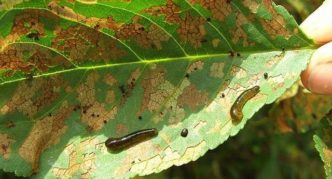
{"points": [[125, 142], [236, 110]]}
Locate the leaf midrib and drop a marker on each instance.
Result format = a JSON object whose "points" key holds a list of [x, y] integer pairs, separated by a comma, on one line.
{"points": [[147, 62]]}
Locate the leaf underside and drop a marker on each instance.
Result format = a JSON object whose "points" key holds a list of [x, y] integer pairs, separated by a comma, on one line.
{"points": [[73, 73]]}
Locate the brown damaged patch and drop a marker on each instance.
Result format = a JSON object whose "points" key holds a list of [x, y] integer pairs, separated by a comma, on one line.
{"points": [[31, 96], [192, 30], [146, 37], [27, 23], [30, 58], [238, 34], [220, 9], [217, 70], [192, 97], [93, 113], [5, 5], [5, 146], [196, 66], [171, 108], [252, 5], [156, 90], [79, 160], [327, 158], [45, 133], [81, 43], [97, 23], [171, 11], [276, 26]]}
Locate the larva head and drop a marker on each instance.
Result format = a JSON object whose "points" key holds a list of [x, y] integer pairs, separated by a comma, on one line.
{"points": [[111, 143], [236, 115], [256, 89]]}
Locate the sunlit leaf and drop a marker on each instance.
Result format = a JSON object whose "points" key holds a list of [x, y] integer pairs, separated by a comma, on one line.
{"points": [[73, 73]]}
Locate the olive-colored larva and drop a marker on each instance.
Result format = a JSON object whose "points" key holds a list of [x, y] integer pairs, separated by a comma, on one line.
{"points": [[236, 110], [125, 142]]}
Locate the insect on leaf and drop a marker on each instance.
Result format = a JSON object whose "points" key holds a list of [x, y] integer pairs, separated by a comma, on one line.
{"points": [[74, 73]]}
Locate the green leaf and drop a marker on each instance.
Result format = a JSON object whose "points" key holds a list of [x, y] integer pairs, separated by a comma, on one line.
{"points": [[74, 73], [323, 144]]}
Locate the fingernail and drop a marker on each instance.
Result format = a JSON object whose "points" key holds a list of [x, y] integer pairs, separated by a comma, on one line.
{"points": [[320, 79]]}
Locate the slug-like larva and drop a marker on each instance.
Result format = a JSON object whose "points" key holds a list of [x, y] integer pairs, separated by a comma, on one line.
{"points": [[125, 142], [236, 110]]}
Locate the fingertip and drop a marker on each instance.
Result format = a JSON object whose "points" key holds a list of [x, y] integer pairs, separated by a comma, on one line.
{"points": [[317, 77], [320, 81], [318, 26]]}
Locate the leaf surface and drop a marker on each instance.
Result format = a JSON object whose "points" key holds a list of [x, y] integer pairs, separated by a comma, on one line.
{"points": [[73, 73]]}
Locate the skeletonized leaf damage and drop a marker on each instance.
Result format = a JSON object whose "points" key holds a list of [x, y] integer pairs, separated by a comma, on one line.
{"points": [[73, 73]]}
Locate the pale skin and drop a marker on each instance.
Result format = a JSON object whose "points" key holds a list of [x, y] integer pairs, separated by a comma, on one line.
{"points": [[318, 26]]}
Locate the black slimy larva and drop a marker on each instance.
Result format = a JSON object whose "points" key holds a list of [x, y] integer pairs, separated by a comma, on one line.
{"points": [[236, 110], [125, 142]]}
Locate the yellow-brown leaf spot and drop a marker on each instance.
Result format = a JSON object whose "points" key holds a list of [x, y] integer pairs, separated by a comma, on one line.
{"points": [[215, 42], [40, 59], [217, 70], [176, 113], [239, 72], [171, 11], [110, 80], [80, 159], [327, 158], [28, 21], [196, 66], [156, 90], [44, 133], [31, 96], [220, 9], [146, 37], [83, 44], [238, 34], [65, 12], [96, 23], [5, 148], [192, 30], [93, 113], [5, 5], [157, 36], [252, 5], [192, 97], [276, 26]]}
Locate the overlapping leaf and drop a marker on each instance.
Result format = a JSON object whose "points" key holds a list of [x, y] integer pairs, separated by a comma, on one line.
{"points": [[76, 72], [323, 144]]}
